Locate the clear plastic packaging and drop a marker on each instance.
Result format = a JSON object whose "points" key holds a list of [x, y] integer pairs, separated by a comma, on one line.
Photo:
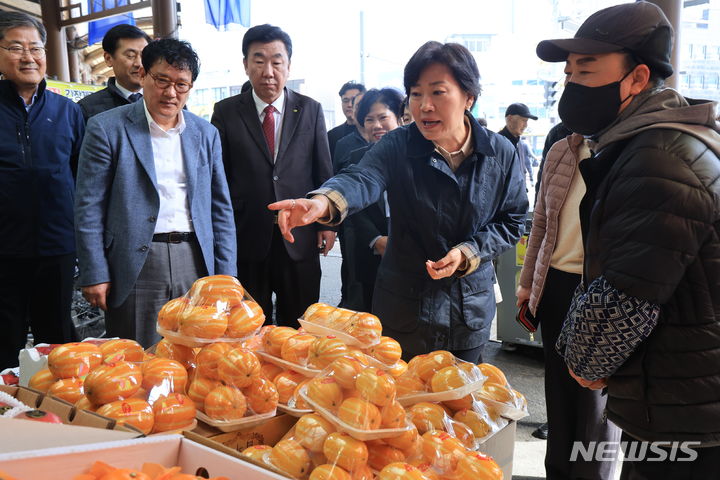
{"points": [[215, 309], [356, 329], [439, 377]]}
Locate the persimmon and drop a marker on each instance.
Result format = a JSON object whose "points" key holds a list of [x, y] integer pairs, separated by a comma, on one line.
{"points": [[206, 360], [476, 466], [427, 416], [325, 392], [392, 415], [133, 411], [125, 474], [203, 321], [244, 319], [177, 352], [365, 327], [425, 366], [343, 450], [376, 386], [74, 359], [113, 381], [262, 395], [199, 389], [359, 413], [223, 292], [311, 430], [225, 403], [388, 351], [290, 457], [275, 338], [169, 315], [173, 412], [329, 472], [42, 380], [324, 351], [344, 370], [239, 368], [286, 383], [296, 348], [164, 376], [381, 455], [69, 389]]}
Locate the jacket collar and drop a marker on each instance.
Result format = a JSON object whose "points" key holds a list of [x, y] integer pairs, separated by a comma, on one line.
{"points": [[9, 92], [419, 146]]}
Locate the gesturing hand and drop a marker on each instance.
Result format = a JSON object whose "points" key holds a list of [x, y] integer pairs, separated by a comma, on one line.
{"points": [[299, 212], [446, 266]]}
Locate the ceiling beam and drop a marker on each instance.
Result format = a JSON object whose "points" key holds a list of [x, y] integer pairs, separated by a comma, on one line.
{"points": [[25, 6]]}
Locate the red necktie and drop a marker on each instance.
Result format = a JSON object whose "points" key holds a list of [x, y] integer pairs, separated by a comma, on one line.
{"points": [[268, 127]]}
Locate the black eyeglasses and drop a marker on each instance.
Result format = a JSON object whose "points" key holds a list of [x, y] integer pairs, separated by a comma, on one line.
{"points": [[18, 51], [163, 83]]}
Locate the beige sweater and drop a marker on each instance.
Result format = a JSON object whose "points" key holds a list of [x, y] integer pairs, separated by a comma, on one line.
{"points": [[560, 192]]}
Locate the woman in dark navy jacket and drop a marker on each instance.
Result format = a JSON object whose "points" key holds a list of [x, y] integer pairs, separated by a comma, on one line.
{"points": [[457, 200]]}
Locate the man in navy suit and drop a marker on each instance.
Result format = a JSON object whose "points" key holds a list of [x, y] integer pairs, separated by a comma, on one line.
{"points": [[275, 146], [152, 211]]}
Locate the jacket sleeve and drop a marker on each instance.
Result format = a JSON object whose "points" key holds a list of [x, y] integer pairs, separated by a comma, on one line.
{"points": [[79, 131], [506, 227], [365, 228], [537, 235], [657, 214], [94, 181], [322, 163], [223, 222]]}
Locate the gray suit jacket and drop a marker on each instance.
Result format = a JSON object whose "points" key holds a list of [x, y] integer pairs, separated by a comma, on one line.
{"points": [[117, 201]]}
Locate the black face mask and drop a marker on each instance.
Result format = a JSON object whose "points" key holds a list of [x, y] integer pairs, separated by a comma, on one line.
{"points": [[588, 110]]}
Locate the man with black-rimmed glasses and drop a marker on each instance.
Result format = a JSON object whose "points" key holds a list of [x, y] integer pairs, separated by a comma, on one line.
{"points": [[152, 209], [40, 137]]}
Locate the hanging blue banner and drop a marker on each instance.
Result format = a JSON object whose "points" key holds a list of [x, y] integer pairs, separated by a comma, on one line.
{"points": [[98, 28], [221, 13]]}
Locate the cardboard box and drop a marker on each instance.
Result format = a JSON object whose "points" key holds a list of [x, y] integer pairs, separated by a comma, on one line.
{"points": [[268, 433], [65, 410], [169, 450], [501, 447]]}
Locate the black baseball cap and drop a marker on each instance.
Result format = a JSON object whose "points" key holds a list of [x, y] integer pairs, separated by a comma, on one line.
{"points": [[519, 109], [640, 28]]}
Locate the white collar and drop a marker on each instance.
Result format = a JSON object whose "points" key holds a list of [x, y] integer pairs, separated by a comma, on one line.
{"points": [[125, 92], [178, 128], [278, 103]]}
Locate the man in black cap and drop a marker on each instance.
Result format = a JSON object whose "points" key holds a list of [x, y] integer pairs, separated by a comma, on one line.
{"points": [[645, 321], [516, 121]]}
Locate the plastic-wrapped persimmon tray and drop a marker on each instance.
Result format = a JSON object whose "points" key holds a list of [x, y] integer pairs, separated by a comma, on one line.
{"points": [[513, 412], [233, 425], [308, 372], [434, 397], [294, 412], [356, 433], [178, 338], [321, 330]]}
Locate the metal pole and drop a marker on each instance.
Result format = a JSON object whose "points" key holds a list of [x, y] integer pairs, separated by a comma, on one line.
{"points": [[73, 61], [673, 11], [57, 55], [362, 47], [164, 14]]}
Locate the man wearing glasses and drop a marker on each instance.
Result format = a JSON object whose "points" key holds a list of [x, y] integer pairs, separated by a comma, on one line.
{"points": [[152, 209], [40, 137], [123, 46]]}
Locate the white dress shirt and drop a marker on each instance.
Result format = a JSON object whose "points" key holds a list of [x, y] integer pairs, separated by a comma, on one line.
{"points": [[174, 214], [125, 92], [279, 105]]}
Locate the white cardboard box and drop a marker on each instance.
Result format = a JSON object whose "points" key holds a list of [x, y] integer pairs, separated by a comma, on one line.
{"points": [[62, 463]]}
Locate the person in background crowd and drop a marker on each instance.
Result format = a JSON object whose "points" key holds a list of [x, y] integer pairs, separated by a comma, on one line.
{"points": [[40, 139], [516, 121], [645, 321], [407, 117], [379, 112], [551, 271], [123, 46], [347, 93], [275, 146], [152, 210], [457, 200], [358, 138]]}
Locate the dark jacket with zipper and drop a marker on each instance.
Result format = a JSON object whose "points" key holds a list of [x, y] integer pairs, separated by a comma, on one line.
{"points": [[433, 209], [38, 157], [102, 101], [651, 229]]}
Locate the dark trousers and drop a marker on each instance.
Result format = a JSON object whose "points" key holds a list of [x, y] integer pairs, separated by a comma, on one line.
{"points": [[35, 292], [296, 284], [574, 413], [705, 467], [351, 289]]}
